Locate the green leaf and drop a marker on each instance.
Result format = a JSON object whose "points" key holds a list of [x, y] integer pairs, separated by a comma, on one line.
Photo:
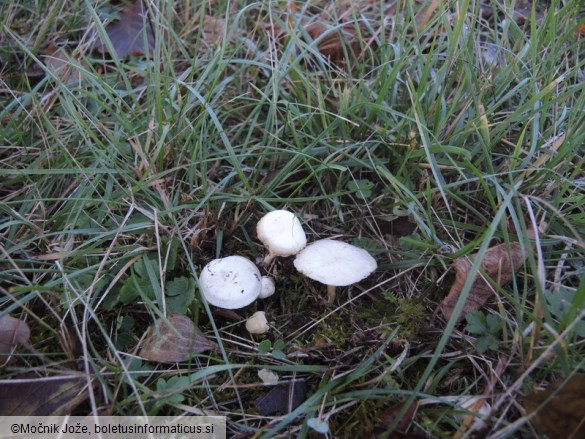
{"points": [[566, 305], [264, 346], [476, 323], [129, 293], [174, 384], [362, 188], [494, 323], [482, 344], [142, 282], [492, 342], [366, 244], [172, 247], [278, 355], [180, 294], [278, 345]]}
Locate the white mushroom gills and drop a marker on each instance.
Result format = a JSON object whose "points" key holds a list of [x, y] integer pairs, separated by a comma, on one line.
{"points": [[335, 264], [257, 323], [232, 282], [281, 233]]}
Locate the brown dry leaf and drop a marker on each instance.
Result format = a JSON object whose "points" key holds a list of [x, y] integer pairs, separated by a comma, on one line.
{"points": [[425, 14], [12, 331], [498, 264], [562, 415], [396, 225], [388, 416], [336, 43], [62, 64], [174, 344], [50, 396], [283, 398], [212, 32], [129, 33]]}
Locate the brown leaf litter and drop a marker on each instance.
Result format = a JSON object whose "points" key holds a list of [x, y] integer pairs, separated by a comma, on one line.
{"points": [[174, 342], [558, 410], [499, 265]]}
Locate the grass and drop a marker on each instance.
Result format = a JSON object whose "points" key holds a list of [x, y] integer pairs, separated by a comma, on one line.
{"points": [[469, 127]]}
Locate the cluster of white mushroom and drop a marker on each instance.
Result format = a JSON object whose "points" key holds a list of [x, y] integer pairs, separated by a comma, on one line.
{"points": [[235, 282]]}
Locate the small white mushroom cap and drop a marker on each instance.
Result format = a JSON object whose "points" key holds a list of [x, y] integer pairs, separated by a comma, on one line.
{"points": [[257, 323], [267, 287], [232, 282], [268, 377], [334, 262], [282, 234]]}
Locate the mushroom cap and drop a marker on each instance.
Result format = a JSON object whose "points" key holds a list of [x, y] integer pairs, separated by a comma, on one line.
{"points": [[231, 282], [334, 262], [267, 287], [257, 323], [281, 232]]}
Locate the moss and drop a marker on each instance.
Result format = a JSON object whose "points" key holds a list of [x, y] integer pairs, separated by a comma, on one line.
{"points": [[409, 314]]}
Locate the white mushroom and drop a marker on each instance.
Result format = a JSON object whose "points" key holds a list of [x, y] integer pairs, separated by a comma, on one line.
{"points": [[232, 282], [282, 233], [335, 264], [257, 323], [267, 288], [268, 377]]}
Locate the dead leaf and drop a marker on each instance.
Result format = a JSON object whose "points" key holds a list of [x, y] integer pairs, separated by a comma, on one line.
{"points": [[133, 34], [562, 415], [176, 343], [282, 398], [396, 225], [212, 32], [334, 44], [50, 396], [499, 264], [425, 14], [12, 331], [388, 416], [64, 66]]}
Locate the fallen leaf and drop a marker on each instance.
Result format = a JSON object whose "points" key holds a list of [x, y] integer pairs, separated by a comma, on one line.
{"points": [[12, 331], [132, 34], [50, 396], [396, 225], [335, 44], [425, 14], [388, 416], [176, 343], [523, 10], [64, 66], [499, 264], [212, 32], [559, 408], [283, 398]]}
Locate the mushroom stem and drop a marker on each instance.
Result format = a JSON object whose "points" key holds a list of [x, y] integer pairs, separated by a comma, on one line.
{"points": [[331, 293], [268, 259]]}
